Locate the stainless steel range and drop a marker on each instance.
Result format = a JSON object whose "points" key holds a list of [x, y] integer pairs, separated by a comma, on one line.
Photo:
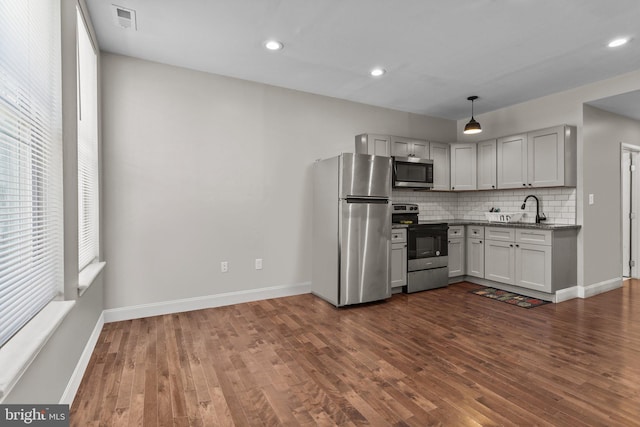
{"points": [[427, 244]]}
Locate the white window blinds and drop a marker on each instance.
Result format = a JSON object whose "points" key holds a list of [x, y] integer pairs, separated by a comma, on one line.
{"points": [[30, 160], [88, 197]]}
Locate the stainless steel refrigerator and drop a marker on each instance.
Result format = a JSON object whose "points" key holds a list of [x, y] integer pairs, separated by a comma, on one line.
{"points": [[352, 229]]}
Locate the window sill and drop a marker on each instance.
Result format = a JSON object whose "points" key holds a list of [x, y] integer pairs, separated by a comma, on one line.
{"points": [[18, 353], [88, 275]]}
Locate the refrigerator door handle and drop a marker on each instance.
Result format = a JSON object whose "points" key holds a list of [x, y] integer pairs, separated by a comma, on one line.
{"points": [[381, 200]]}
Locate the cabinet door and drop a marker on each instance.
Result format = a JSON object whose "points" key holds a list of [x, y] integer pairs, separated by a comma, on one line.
{"points": [[421, 149], [533, 267], [408, 147], [499, 261], [463, 167], [379, 145], [398, 265], [487, 165], [475, 257], [439, 153], [512, 161], [456, 257], [546, 157]]}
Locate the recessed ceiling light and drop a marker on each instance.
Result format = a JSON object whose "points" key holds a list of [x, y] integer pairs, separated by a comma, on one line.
{"points": [[273, 45], [618, 42], [377, 72]]}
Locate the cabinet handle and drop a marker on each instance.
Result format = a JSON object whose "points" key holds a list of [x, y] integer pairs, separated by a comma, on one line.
{"points": [[529, 185], [517, 246], [480, 241], [524, 185], [453, 188], [511, 246], [493, 186]]}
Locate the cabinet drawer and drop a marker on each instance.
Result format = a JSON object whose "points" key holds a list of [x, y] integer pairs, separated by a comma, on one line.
{"points": [[399, 235], [499, 233], [456, 231], [475, 231], [536, 237]]}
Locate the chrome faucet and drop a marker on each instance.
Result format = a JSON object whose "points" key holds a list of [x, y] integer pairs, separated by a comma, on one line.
{"points": [[539, 216]]}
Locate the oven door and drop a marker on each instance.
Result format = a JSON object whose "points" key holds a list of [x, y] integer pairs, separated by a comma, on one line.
{"points": [[427, 246], [412, 172]]}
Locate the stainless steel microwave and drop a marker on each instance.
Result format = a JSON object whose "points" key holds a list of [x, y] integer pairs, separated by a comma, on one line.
{"points": [[412, 172]]}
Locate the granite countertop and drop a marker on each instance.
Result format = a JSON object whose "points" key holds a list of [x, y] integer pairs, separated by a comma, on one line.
{"points": [[541, 226]]}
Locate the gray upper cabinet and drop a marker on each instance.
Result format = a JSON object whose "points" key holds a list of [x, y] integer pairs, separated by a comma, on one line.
{"points": [[551, 157], [487, 166], [407, 147], [379, 145], [439, 153], [512, 161], [543, 158], [463, 166]]}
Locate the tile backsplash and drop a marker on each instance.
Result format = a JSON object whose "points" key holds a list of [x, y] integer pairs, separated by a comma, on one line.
{"points": [[558, 204]]}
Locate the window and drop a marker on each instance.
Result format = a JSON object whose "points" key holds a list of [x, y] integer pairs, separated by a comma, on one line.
{"points": [[88, 196], [30, 161]]}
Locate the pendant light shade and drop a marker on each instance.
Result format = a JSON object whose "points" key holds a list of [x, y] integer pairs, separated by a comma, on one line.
{"points": [[473, 126]]}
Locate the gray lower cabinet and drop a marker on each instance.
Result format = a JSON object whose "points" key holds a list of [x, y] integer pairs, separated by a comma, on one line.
{"points": [[499, 261], [457, 254], [475, 251], [541, 260], [456, 257], [398, 257], [533, 266]]}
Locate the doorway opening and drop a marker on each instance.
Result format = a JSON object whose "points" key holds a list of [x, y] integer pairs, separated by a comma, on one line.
{"points": [[630, 175]]}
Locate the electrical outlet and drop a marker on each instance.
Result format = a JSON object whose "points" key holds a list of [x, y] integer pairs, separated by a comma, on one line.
{"points": [[591, 199], [258, 263], [224, 266]]}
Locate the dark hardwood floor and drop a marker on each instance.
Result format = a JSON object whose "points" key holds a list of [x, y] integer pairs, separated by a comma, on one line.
{"points": [[442, 357]]}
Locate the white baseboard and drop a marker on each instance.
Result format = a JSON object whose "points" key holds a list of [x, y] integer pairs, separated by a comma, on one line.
{"points": [[600, 287], [567, 294], [74, 382], [199, 303]]}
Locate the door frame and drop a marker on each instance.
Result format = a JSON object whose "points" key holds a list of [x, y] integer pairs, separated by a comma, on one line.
{"points": [[635, 205]]}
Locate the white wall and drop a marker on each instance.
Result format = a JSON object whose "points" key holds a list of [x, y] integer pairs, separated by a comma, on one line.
{"points": [[200, 168], [603, 134], [567, 108]]}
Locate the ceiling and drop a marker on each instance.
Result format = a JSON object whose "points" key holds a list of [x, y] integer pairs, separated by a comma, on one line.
{"points": [[436, 53], [626, 104]]}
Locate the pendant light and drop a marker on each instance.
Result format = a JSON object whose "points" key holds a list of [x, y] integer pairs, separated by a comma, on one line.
{"points": [[472, 127]]}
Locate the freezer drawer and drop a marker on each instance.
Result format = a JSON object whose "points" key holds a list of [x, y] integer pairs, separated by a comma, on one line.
{"points": [[423, 280]]}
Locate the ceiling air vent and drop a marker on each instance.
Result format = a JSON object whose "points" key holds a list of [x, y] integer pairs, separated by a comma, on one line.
{"points": [[123, 17]]}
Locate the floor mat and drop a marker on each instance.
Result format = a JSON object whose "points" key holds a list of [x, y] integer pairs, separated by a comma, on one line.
{"points": [[510, 297]]}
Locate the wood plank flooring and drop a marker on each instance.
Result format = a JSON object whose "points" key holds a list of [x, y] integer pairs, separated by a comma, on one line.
{"points": [[437, 358]]}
